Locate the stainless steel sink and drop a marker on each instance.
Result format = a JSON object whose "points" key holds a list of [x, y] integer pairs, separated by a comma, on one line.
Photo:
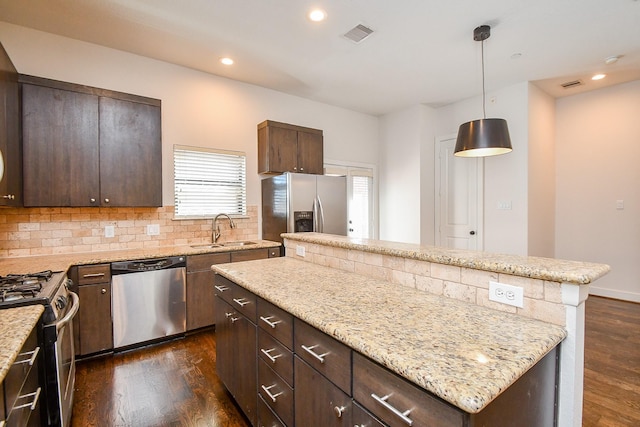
{"points": [[206, 246], [238, 243]]}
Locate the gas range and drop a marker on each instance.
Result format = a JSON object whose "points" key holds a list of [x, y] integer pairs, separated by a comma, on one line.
{"points": [[44, 287]]}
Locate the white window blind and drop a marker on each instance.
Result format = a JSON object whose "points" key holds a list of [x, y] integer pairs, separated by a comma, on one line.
{"points": [[209, 182]]}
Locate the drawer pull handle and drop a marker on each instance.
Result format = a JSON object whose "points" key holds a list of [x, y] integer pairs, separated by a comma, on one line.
{"points": [[272, 396], [234, 319], [268, 354], [32, 357], [92, 275], [32, 405], [227, 314], [404, 416], [339, 410], [319, 357], [268, 321], [241, 301], [221, 288]]}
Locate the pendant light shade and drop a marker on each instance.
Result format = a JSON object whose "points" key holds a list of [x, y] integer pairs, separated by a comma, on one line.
{"points": [[483, 137]]}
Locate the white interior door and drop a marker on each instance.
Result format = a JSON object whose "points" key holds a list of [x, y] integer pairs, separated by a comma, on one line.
{"points": [[459, 183]]}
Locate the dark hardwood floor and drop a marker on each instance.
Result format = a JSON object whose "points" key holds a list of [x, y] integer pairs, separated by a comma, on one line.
{"points": [[612, 363], [174, 384], [171, 384]]}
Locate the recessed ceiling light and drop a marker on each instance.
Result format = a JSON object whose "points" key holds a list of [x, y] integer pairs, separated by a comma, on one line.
{"points": [[317, 15], [226, 61], [598, 77]]}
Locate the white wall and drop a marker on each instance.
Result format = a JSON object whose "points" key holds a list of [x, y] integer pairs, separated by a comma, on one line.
{"points": [[598, 147], [197, 108], [505, 176], [400, 145], [542, 182]]}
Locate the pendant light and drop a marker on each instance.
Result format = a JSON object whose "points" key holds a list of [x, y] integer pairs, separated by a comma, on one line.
{"points": [[483, 137]]}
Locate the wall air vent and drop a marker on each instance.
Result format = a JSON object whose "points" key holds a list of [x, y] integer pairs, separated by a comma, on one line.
{"points": [[358, 33], [574, 83]]}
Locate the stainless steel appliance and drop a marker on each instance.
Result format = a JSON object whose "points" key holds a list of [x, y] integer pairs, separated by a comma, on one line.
{"points": [[294, 202], [51, 289], [148, 300]]}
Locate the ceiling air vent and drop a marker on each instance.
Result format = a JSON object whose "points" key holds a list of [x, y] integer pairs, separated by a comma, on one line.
{"points": [[358, 33], [574, 83]]}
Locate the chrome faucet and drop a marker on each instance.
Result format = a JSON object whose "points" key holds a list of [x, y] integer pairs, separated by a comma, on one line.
{"points": [[215, 228]]}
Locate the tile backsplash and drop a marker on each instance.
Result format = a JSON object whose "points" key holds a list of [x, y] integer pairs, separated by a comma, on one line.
{"points": [[46, 231]]}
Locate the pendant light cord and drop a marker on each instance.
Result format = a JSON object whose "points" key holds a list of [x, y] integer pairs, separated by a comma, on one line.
{"points": [[484, 108]]}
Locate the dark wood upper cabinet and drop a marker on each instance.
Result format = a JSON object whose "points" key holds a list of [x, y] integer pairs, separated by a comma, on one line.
{"points": [[10, 147], [86, 146], [289, 148]]}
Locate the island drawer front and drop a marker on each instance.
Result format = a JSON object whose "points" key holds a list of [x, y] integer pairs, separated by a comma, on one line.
{"points": [[202, 262], [371, 379], [30, 397], [238, 297], [325, 354], [98, 273], [18, 372], [362, 418], [266, 417], [276, 355], [276, 322], [275, 392]]}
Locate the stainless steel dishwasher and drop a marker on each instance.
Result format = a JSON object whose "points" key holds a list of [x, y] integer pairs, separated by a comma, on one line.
{"points": [[148, 300]]}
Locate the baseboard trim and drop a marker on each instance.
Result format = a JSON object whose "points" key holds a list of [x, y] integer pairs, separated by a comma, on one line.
{"points": [[615, 294]]}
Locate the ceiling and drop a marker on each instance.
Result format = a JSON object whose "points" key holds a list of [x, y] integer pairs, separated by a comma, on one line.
{"points": [[420, 52]]}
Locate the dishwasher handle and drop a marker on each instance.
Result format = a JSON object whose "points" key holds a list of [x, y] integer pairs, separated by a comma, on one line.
{"points": [[123, 267]]}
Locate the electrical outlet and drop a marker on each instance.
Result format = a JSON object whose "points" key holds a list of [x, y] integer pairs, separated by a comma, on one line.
{"points": [[506, 294], [109, 231], [300, 250], [153, 229]]}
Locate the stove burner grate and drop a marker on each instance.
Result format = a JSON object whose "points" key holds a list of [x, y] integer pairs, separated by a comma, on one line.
{"points": [[22, 286]]}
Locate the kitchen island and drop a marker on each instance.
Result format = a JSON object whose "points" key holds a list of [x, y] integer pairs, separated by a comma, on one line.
{"points": [[464, 354]]}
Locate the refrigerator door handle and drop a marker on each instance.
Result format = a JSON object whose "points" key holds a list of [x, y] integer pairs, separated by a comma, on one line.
{"points": [[315, 214], [321, 220]]}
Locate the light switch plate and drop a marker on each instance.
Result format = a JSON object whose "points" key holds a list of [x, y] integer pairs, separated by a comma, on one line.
{"points": [[109, 231]]}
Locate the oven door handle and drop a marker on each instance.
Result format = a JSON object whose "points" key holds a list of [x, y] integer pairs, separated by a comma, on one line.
{"points": [[75, 306]]}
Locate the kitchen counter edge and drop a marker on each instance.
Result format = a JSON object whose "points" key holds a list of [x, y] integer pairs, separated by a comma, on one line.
{"points": [[15, 326]]}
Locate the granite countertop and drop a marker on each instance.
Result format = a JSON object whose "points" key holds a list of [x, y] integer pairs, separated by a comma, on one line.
{"points": [[15, 326], [555, 270], [463, 353], [62, 262]]}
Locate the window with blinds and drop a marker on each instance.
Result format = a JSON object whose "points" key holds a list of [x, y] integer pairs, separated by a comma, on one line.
{"points": [[208, 182]]}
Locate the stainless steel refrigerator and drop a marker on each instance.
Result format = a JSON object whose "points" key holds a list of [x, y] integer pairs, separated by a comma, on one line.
{"points": [[295, 202]]}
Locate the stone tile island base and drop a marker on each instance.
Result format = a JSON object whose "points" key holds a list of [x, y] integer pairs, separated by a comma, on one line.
{"points": [[554, 290]]}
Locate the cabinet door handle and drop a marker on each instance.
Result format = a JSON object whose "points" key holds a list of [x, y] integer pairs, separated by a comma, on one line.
{"points": [[268, 321], [301, 169], [319, 357], [404, 416], [107, 200], [268, 354], [241, 301], [32, 405], [92, 200], [221, 288], [92, 275], [272, 396], [31, 357], [234, 319], [9, 197], [103, 291], [339, 410]]}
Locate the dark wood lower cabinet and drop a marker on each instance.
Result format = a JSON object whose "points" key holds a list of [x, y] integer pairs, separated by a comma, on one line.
{"points": [[94, 317], [236, 357], [362, 418], [199, 289], [318, 402]]}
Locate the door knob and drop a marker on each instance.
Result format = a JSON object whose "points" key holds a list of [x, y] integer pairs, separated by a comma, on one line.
{"points": [[472, 232]]}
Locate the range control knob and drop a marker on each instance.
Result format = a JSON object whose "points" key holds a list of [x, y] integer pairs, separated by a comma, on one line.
{"points": [[61, 302]]}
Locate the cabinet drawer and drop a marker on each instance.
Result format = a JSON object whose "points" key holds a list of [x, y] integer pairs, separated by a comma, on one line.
{"points": [[25, 362], [239, 298], [328, 356], [249, 255], [274, 252], [276, 322], [205, 261], [275, 392], [372, 384], [266, 417], [276, 355], [26, 408], [99, 273], [362, 418]]}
